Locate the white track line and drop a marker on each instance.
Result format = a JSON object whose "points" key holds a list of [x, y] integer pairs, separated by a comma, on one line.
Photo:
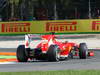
{"points": [[7, 62]]}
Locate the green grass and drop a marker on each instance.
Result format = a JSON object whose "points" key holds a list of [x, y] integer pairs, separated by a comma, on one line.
{"points": [[67, 72], [6, 56]]}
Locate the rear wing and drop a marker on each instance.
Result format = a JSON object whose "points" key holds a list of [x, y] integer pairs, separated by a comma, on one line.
{"points": [[29, 38], [27, 41]]}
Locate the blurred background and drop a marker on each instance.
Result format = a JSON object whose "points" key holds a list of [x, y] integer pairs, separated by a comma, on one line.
{"points": [[27, 10]]}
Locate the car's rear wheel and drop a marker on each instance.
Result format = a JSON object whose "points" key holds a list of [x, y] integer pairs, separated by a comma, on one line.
{"points": [[53, 53], [83, 51], [22, 54]]}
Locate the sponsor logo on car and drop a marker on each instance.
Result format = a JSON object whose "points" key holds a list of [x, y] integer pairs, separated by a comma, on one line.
{"points": [[15, 27]]}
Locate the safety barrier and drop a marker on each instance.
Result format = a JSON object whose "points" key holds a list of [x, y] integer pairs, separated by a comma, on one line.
{"points": [[58, 26]]}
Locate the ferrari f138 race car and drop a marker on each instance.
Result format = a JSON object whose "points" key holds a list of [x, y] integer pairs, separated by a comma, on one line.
{"points": [[52, 50]]}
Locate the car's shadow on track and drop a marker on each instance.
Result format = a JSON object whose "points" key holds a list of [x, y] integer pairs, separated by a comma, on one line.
{"points": [[66, 60]]}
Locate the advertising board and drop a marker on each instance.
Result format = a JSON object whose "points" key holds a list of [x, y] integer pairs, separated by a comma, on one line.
{"points": [[58, 26]]}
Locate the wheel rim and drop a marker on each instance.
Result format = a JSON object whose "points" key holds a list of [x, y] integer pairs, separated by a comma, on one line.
{"points": [[57, 55]]}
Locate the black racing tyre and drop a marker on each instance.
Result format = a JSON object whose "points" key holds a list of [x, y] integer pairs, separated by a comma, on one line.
{"points": [[21, 54], [83, 50], [53, 53]]}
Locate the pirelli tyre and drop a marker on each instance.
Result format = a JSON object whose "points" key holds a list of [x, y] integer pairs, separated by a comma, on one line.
{"points": [[21, 54], [53, 53], [83, 51]]}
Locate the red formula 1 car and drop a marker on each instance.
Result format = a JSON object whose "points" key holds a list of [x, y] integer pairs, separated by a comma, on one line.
{"points": [[52, 50]]}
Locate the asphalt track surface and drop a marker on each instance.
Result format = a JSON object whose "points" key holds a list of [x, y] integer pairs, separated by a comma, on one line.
{"points": [[70, 64]]}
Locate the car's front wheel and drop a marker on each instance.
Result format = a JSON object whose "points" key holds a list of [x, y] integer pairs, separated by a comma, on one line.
{"points": [[83, 51]]}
